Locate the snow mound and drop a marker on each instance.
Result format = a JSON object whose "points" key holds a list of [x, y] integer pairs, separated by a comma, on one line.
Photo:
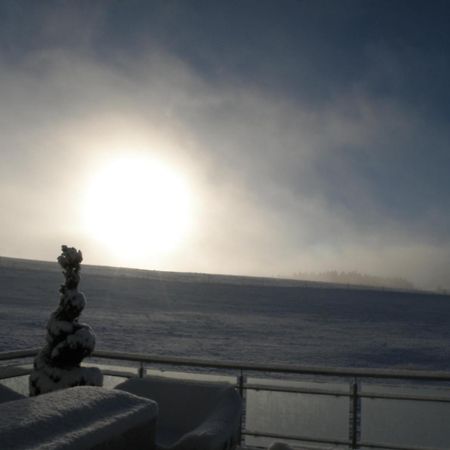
{"points": [[79, 418], [192, 414]]}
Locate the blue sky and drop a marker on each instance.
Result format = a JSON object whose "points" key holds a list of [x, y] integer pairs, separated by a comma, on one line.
{"points": [[315, 133]]}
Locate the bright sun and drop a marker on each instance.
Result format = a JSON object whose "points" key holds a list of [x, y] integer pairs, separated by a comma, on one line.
{"points": [[137, 205]]}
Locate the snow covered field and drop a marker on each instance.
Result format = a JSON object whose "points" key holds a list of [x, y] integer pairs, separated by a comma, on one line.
{"points": [[260, 320], [231, 318]]}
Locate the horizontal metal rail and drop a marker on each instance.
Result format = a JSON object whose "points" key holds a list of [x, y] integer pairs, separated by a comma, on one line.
{"points": [[387, 446], [354, 395], [296, 438], [411, 397], [6, 356], [424, 375], [336, 393], [295, 390], [13, 372]]}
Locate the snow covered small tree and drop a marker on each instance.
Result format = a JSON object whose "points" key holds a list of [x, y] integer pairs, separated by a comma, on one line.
{"points": [[57, 365]]}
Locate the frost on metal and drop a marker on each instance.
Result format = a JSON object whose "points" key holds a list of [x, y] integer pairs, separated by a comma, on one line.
{"points": [[57, 365]]}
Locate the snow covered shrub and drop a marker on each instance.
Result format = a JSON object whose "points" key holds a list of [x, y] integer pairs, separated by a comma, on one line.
{"points": [[57, 365]]}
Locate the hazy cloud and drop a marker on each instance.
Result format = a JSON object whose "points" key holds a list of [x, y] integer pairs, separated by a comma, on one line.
{"points": [[334, 169]]}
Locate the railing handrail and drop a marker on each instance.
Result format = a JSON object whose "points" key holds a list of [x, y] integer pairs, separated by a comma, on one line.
{"points": [[18, 354], [279, 368], [349, 372]]}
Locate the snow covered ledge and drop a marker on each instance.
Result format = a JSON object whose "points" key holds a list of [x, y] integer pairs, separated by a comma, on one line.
{"points": [[193, 415], [79, 418]]}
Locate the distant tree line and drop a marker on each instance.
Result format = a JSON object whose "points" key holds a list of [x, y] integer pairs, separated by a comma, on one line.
{"points": [[356, 278]]}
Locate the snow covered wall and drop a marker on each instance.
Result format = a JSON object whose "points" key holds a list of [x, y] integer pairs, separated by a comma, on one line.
{"points": [[80, 418], [57, 366]]}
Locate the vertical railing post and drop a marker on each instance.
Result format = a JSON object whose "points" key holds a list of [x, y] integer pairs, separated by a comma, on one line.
{"points": [[241, 388], [141, 370], [354, 414]]}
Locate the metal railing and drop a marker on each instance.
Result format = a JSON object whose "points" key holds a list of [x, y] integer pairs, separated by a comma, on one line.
{"points": [[355, 376]]}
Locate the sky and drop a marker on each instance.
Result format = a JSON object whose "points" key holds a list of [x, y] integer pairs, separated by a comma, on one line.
{"points": [[303, 136]]}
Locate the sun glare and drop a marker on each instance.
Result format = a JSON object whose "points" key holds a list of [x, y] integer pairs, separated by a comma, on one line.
{"points": [[136, 206]]}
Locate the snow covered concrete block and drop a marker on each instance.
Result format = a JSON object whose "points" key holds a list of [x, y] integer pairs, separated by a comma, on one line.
{"points": [[79, 418], [192, 414]]}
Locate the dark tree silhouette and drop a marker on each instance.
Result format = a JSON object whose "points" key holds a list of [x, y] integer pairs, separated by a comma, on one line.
{"points": [[57, 365]]}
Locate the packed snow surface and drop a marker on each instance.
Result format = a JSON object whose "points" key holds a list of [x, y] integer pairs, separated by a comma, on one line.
{"points": [[232, 318], [78, 418]]}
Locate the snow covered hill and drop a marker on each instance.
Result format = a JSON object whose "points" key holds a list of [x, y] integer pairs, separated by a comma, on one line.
{"points": [[232, 318]]}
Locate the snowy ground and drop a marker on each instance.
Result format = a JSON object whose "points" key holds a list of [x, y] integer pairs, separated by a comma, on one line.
{"points": [[232, 318], [255, 320]]}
